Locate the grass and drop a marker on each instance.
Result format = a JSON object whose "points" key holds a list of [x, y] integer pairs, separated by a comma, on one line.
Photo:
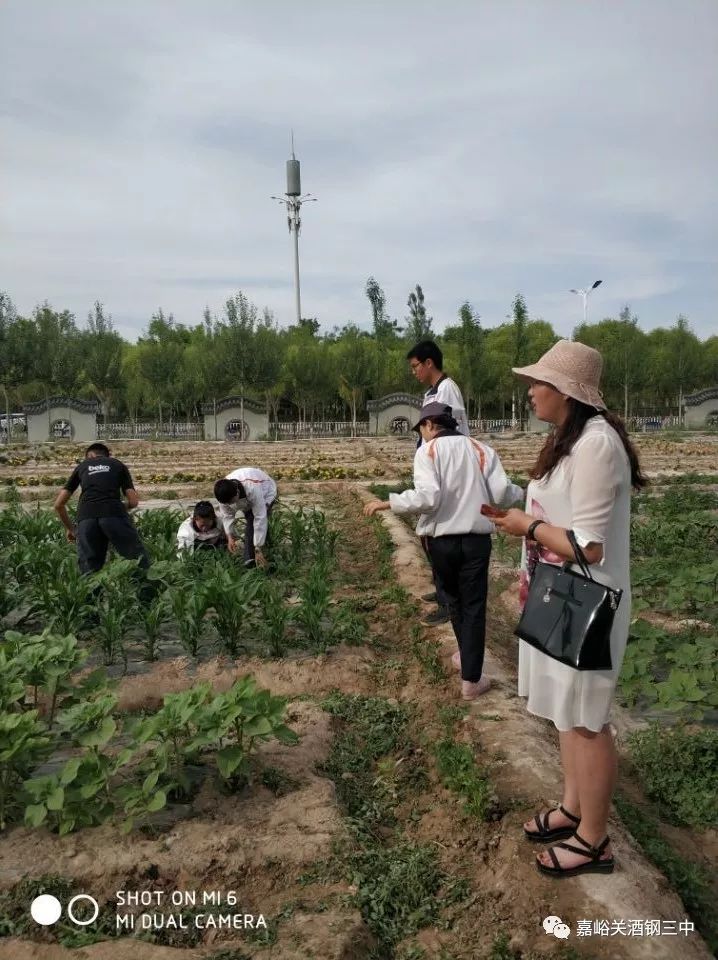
{"points": [[691, 882], [400, 886], [16, 921], [460, 773], [679, 771], [278, 781], [427, 651]]}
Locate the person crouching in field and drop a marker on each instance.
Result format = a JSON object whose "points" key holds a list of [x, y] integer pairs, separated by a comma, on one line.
{"points": [[201, 531], [102, 517], [254, 493], [454, 476]]}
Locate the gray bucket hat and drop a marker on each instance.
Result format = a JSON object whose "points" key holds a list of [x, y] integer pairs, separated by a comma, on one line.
{"points": [[432, 409]]}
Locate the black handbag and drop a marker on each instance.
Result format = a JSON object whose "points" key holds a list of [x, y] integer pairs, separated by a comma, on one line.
{"points": [[568, 616]]}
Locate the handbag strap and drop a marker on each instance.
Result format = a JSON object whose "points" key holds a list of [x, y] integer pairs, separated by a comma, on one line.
{"points": [[579, 555]]}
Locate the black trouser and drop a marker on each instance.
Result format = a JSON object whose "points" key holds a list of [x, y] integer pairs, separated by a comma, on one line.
{"points": [[441, 597], [461, 569], [95, 535], [249, 555]]}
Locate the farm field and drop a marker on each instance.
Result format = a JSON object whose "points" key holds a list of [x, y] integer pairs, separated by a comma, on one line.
{"points": [[344, 793], [186, 466]]}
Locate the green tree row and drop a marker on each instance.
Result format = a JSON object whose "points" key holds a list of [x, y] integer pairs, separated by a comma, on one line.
{"points": [[172, 368]]}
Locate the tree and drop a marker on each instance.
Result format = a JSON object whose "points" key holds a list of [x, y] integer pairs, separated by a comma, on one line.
{"points": [[621, 343], [354, 359], [520, 319], [103, 356], [418, 324], [469, 370]]}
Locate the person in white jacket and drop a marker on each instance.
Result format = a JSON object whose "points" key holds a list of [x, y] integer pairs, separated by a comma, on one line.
{"points": [[454, 476], [253, 492], [427, 364], [201, 531]]}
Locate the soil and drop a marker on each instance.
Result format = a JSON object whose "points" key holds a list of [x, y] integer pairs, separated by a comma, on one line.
{"points": [[261, 844]]}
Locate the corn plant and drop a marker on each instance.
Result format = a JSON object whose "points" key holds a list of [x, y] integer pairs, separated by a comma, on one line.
{"points": [[116, 605], [152, 617], [274, 619], [188, 605], [312, 613], [63, 597], [230, 596]]}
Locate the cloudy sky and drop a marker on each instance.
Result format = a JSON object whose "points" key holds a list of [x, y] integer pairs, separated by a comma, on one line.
{"points": [[477, 148]]}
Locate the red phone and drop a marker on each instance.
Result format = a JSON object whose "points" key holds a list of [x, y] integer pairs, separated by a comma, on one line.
{"points": [[489, 511]]}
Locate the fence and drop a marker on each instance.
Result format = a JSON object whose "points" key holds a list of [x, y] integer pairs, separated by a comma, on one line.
{"points": [[323, 429], [151, 430], [649, 424], [491, 426]]}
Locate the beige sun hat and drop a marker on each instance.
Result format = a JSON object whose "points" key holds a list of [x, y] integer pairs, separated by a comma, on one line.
{"points": [[573, 368]]}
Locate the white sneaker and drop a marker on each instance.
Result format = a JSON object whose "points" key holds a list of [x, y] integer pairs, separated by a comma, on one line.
{"points": [[472, 691]]}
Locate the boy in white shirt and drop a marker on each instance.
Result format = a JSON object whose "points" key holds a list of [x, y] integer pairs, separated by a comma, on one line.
{"points": [[427, 364], [201, 531], [454, 476], [253, 492]]}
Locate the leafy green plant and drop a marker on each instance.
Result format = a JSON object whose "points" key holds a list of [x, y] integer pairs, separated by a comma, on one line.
{"points": [[679, 770], [46, 662], [62, 597], [24, 743], [80, 794], [152, 617]]}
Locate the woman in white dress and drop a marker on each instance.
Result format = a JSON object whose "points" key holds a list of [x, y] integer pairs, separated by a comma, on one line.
{"points": [[581, 481]]}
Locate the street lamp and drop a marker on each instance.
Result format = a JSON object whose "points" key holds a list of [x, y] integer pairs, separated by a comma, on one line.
{"points": [[584, 295]]}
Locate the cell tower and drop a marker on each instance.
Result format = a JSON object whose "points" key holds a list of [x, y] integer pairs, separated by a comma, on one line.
{"points": [[293, 201]]}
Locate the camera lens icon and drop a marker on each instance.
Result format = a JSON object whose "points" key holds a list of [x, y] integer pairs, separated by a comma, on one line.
{"points": [[46, 910]]}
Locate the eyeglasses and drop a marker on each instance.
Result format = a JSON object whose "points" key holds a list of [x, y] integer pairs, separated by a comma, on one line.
{"points": [[415, 366]]}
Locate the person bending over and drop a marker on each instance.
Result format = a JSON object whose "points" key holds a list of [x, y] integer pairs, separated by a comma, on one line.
{"points": [[252, 492]]}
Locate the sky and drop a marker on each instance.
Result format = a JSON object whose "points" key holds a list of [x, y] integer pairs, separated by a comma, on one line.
{"points": [[479, 149]]}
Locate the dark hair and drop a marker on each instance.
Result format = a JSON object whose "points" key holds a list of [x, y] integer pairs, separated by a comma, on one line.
{"points": [[561, 440], [98, 448], [205, 510], [444, 420], [427, 350], [226, 490]]}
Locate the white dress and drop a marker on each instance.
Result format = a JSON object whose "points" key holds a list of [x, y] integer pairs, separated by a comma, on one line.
{"points": [[589, 492]]}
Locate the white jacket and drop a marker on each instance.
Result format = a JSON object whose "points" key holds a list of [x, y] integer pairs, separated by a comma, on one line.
{"points": [[447, 391], [453, 476], [187, 535], [261, 490]]}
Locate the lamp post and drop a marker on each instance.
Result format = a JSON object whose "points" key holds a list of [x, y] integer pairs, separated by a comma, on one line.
{"points": [[584, 296]]}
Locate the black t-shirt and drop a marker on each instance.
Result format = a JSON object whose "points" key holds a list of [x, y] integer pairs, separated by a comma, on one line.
{"points": [[103, 480]]}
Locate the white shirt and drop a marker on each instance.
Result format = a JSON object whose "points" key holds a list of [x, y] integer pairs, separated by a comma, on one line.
{"points": [[453, 476], [261, 490], [447, 391], [187, 535]]}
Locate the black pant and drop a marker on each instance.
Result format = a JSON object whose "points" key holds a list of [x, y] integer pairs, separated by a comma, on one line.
{"points": [[441, 598], [95, 535], [249, 555], [461, 569]]}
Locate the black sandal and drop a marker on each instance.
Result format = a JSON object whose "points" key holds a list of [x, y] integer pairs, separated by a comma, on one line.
{"points": [[595, 863], [546, 834]]}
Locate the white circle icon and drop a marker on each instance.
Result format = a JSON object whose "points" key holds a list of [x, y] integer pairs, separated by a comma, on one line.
{"points": [[550, 922], [45, 909], [562, 931], [71, 904]]}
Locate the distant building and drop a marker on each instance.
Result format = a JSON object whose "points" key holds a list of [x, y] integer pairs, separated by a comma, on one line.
{"points": [[701, 408]]}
